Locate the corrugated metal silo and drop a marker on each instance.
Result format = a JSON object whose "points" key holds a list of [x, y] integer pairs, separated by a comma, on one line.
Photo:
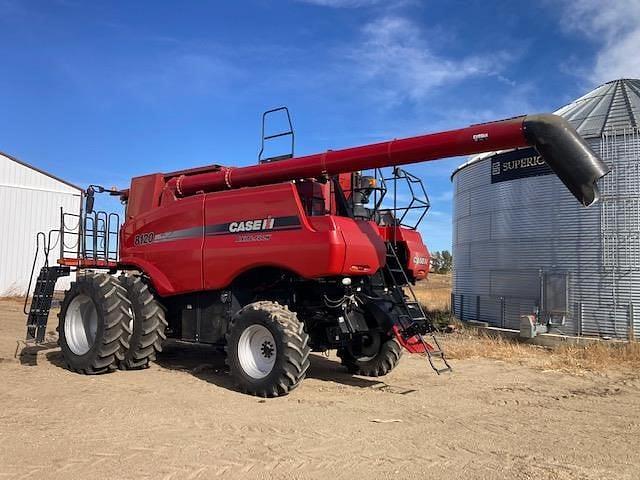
{"points": [[523, 245]]}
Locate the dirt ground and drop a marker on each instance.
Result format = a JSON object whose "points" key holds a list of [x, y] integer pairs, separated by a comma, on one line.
{"points": [[181, 419]]}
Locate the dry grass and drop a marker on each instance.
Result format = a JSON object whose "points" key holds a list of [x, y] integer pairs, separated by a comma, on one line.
{"points": [[435, 296], [435, 292], [471, 343], [594, 357]]}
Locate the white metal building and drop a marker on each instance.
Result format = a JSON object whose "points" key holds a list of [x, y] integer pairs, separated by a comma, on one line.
{"points": [[30, 202]]}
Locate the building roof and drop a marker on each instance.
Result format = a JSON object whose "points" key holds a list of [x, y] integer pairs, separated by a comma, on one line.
{"points": [[613, 106], [50, 175]]}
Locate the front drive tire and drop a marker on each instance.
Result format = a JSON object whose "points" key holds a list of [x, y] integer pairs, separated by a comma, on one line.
{"points": [[147, 327], [377, 365], [267, 349], [93, 318]]}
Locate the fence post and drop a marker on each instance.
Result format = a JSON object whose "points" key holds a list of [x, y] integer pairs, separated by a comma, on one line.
{"points": [[453, 304], [580, 316], [61, 237]]}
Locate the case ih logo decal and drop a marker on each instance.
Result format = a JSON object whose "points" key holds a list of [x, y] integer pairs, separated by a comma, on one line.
{"points": [[268, 224], [255, 225], [252, 225], [419, 260]]}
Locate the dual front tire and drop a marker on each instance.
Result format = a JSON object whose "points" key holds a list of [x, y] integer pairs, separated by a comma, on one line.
{"points": [[108, 323]]}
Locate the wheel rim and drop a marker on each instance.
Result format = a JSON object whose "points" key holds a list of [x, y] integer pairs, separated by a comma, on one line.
{"points": [[370, 348], [257, 351], [81, 324]]}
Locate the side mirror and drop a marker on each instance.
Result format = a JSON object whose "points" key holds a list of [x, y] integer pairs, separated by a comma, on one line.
{"points": [[89, 200]]}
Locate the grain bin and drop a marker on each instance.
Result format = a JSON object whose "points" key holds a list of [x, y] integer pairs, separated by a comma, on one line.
{"points": [[522, 246]]}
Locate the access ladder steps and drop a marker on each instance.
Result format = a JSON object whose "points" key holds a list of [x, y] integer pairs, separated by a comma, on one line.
{"points": [[414, 313], [41, 301]]}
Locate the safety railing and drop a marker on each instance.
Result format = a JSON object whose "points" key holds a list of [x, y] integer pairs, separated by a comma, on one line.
{"points": [[91, 236], [399, 198]]}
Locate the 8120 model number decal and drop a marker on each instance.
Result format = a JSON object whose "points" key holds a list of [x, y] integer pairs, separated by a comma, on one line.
{"points": [[143, 238]]}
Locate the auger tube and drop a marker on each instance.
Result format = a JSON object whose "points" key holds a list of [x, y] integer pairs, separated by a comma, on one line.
{"points": [[566, 153]]}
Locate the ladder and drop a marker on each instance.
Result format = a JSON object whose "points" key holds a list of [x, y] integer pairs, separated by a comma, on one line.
{"points": [[412, 320], [284, 133], [41, 301]]}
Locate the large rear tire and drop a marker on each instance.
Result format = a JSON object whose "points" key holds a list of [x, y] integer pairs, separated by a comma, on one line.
{"points": [[376, 365], [93, 318], [267, 349], [147, 326]]}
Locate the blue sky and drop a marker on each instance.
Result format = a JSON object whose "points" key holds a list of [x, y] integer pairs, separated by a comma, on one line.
{"points": [[98, 92]]}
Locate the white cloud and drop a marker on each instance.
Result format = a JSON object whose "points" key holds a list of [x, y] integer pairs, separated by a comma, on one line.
{"points": [[396, 59], [615, 27], [342, 3]]}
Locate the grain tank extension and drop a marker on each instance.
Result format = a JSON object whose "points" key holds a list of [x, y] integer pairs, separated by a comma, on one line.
{"points": [[273, 260]]}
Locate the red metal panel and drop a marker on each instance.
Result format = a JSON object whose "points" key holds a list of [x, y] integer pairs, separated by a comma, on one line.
{"points": [[166, 243], [366, 251], [203, 242], [313, 248], [418, 256], [144, 194]]}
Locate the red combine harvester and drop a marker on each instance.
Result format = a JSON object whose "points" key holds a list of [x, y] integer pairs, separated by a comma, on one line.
{"points": [[274, 260]]}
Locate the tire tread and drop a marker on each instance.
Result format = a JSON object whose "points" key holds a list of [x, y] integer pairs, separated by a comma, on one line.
{"points": [[149, 316], [296, 350], [112, 345], [385, 361]]}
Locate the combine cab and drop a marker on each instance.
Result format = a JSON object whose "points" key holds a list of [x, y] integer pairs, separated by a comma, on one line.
{"points": [[274, 260]]}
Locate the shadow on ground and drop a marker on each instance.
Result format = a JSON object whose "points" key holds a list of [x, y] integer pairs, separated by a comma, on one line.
{"points": [[28, 354], [207, 363]]}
